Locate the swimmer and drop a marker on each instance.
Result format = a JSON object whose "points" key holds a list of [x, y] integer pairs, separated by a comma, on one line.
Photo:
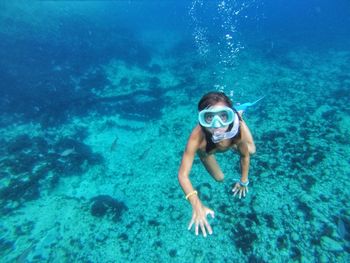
{"points": [[220, 128]]}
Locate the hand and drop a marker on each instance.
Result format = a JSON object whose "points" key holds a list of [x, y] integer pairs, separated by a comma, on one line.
{"points": [[241, 190], [199, 219]]}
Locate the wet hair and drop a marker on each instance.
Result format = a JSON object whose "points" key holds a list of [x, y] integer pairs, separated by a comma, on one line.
{"points": [[212, 98], [208, 100]]}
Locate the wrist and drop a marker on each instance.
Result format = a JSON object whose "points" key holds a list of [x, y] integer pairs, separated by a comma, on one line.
{"points": [[193, 198], [194, 201], [244, 183], [190, 194]]}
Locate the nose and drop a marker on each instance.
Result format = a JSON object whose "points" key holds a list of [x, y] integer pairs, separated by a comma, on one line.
{"points": [[216, 124]]}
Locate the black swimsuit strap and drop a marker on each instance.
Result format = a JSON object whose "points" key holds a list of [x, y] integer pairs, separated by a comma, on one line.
{"points": [[239, 116]]}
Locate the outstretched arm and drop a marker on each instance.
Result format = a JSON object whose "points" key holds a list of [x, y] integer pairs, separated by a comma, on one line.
{"points": [[241, 187], [246, 147], [199, 211], [244, 161]]}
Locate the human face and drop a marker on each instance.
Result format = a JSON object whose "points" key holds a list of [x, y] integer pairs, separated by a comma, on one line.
{"points": [[216, 118]]}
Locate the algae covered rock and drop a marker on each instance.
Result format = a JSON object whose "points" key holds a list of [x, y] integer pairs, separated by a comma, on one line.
{"points": [[103, 205], [330, 244]]}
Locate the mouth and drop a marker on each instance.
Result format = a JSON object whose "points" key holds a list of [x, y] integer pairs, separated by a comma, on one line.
{"points": [[218, 131]]}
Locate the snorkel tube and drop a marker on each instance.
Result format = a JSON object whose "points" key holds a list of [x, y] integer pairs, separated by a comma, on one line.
{"points": [[243, 107]]}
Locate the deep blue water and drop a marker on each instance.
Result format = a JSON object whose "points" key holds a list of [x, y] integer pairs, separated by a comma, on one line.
{"points": [[80, 79], [38, 36]]}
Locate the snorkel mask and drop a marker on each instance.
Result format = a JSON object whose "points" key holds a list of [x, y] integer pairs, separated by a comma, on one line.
{"points": [[219, 117], [216, 117]]}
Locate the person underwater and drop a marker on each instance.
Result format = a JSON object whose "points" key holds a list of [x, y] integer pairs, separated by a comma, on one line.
{"points": [[220, 128]]}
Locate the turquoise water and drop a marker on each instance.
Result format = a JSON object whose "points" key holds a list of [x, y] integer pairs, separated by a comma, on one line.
{"points": [[98, 100]]}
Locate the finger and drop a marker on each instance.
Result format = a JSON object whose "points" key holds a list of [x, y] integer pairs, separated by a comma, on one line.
{"points": [[191, 224], [211, 212], [240, 194], [203, 229], [196, 229], [247, 189], [207, 225], [234, 189], [244, 192]]}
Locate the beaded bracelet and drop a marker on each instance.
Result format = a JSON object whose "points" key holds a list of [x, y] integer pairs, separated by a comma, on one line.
{"points": [[244, 184], [191, 193]]}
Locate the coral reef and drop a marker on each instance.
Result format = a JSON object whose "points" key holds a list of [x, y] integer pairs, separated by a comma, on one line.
{"points": [[103, 205]]}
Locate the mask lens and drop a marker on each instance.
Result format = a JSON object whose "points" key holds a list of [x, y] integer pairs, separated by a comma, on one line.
{"points": [[208, 117], [223, 115]]}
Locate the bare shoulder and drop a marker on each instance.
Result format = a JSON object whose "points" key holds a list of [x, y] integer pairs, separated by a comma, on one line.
{"points": [[247, 137], [196, 140], [244, 128]]}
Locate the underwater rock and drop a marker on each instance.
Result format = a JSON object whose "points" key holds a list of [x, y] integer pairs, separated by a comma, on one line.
{"points": [[273, 135], [40, 145], [96, 80], [343, 227], [205, 190], [21, 189], [24, 154], [154, 82], [295, 237], [106, 205], [295, 254], [24, 163], [71, 155], [101, 237], [282, 242], [18, 144], [6, 244], [305, 209], [269, 221], [330, 244], [33, 163], [243, 238], [172, 253]]}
